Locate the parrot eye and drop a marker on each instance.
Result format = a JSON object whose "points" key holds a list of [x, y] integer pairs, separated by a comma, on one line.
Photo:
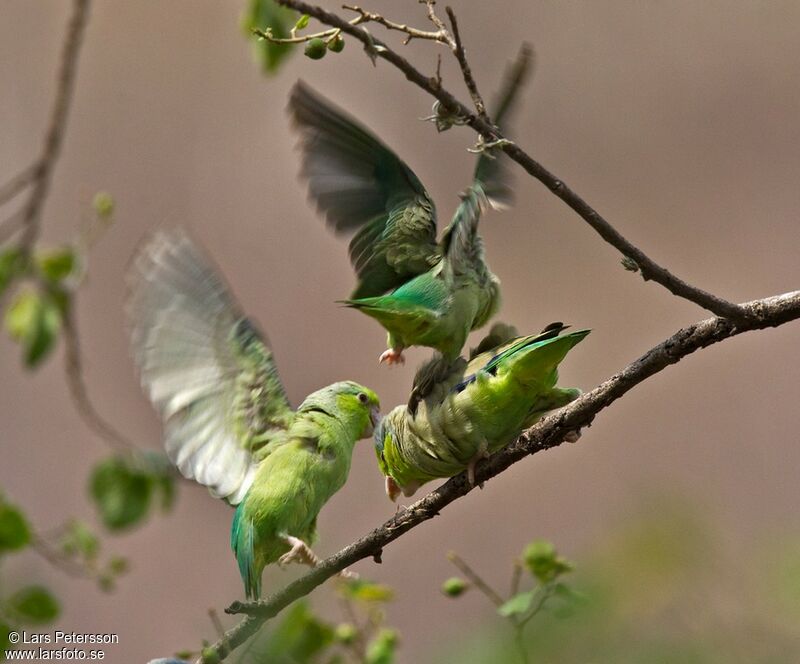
{"points": [[363, 398]]}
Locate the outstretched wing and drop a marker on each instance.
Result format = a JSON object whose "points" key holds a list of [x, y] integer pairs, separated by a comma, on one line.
{"points": [[204, 366], [362, 187], [491, 183]]}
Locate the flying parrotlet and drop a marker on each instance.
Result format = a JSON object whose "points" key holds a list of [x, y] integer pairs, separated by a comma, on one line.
{"points": [[227, 420], [472, 409], [423, 292]]}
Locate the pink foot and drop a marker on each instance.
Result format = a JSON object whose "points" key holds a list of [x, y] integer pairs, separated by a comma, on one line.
{"points": [[392, 356]]}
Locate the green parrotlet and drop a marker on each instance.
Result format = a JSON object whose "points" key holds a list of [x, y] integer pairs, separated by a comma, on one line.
{"points": [[472, 408], [423, 292], [227, 420]]}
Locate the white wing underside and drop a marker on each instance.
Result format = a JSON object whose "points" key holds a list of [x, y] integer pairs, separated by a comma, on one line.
{"points": [[182, 315]]}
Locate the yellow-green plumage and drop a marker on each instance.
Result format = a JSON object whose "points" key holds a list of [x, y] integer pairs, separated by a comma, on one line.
{"points": [[228, 422], [471, 409]]}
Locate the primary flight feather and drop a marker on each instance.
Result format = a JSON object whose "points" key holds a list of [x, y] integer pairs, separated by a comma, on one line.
{"points": [[423, 292], [228, 423]]}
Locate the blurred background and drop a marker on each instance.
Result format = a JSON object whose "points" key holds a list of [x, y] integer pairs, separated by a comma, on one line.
{"points": [[677, 121]]}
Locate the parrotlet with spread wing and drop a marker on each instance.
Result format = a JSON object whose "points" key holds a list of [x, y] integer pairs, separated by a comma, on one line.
{"points": [[423, 292], [228, 422], [471, 409]]}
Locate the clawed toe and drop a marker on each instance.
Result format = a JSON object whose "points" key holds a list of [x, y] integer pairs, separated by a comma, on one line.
{"points": [[392, 356]]}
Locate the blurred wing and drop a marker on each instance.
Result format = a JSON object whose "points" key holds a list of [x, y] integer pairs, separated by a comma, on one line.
{"points": [[362, 187], [491, 186], [203, 365]]}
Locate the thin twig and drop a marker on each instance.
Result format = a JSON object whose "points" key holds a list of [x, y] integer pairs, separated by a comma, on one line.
{"points": [[545, 434], [73, 368], [359, 643], [58, 121], [466, 71], [411, 33], [57, 559], [648, 268], [475, 579], [439, 23], [18, 183], [215, 621], [516, 577]]}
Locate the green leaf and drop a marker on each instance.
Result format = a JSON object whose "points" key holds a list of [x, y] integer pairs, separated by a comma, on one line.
{"points": [[454, 586], [300, 634], [34, 320], [121, 492], [366, 591], [56, 264], [103, 204], [118, 565], [543, 562], [79, 539], [263, 14], [382, 648], [12, 264], [519, 603], [15, 533], [33, 604], [5, 630], [302, 22]]}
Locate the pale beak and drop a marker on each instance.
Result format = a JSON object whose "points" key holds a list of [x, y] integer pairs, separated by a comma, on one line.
{"points": [[374, 418]]}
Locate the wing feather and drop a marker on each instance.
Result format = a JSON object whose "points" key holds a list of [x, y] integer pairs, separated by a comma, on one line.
{"points": [[203, 365]]}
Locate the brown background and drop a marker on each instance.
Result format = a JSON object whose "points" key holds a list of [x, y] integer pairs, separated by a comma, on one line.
{"points": [[678, 121]]}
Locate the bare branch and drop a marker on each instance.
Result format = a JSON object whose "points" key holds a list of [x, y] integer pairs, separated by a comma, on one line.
{"points": [[475, 579], [439, 23], [73, 368], [548, 432], [648, 268], [412, 33], [58, 121], [18, 183], [466, 72]]}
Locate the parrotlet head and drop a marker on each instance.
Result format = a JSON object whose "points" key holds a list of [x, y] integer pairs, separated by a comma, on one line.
{"points": [[354, 405]]}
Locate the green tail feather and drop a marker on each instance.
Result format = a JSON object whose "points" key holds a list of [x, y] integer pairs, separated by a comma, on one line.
{"points": [[242, 536]]}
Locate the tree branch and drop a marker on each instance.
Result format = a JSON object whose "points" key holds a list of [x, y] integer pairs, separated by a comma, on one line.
{"points": [[649, 268], [73, 368], [548, 432], [42, 176], [466, 71]]}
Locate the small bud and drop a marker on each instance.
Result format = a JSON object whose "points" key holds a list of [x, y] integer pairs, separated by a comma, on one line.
{"points": [[345, 633], [209, 656], [103, 204], [302, 22], [336, 44], [316, 49], [454, 586]]}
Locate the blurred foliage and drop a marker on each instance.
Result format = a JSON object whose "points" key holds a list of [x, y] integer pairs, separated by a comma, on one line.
{"points": [[31, 605], [124, 488], [663, 588], [263, 14], [302, 637]]}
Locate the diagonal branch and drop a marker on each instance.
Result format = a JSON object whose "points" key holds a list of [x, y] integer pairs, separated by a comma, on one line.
{"points": [[43, 173], [649, 268], [548, 432], [466, 71]]}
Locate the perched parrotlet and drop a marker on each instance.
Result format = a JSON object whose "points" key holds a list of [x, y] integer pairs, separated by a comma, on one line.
{"points": [[227, 420], [423, 292], [473, 408]]}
